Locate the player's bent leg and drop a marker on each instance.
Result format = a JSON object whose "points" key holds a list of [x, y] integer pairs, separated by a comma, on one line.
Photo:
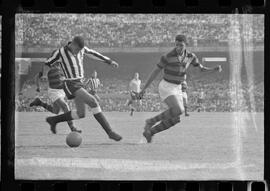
{"points": [[175, 109], [162, 126], [38, 102], [56, 107], [64, 106], [97, 98], [68, 116], [97, 112]]}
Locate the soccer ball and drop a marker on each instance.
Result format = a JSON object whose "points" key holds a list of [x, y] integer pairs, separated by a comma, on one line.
{"points": [[74, 139]]}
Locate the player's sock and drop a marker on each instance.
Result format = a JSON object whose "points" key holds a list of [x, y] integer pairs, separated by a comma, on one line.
{"points": [[163, 125], [46, 106], [103, 122], [63, 117], [186, 113], [163, 116], [106, 126]]}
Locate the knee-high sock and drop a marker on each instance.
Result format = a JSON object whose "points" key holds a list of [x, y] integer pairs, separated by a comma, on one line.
{"points": [[46, 106], [63, 117], [103, 122], [162, 116], [185, 109], [166, 124]]}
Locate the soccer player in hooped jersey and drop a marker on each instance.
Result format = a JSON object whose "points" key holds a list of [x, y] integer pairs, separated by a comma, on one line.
{"points": [[174, 65], [92, 84], [71, 58], [134, 90], [55, 92]]}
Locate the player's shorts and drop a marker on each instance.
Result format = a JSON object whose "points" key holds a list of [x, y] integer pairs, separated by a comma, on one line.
{"points": [[71, 86], [167, 89], [134, 96], [55, 94]]}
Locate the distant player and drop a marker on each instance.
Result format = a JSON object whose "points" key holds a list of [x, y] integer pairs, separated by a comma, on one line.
{"points": [[185, 97], [200, 100], [55, 92], [174, 65], [71, 58], [92, 84], [134, 89]]}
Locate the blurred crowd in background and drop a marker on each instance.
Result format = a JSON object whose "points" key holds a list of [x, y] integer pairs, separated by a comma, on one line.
{"points": [[129, 30], [217, 97]]}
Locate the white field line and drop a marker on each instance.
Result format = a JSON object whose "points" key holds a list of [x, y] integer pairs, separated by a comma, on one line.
{"points": [[124, 165]]}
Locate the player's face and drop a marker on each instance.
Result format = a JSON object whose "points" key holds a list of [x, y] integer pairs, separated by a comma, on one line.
{"points": [[75, 48], [180, 46], [136, 76]]}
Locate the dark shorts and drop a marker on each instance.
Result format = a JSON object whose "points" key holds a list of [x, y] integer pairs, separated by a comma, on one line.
{"points": [[134, 96], [71, 86]]}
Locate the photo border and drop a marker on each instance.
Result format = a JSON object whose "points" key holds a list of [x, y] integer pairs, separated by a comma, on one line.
{"points": [[8, 11]]}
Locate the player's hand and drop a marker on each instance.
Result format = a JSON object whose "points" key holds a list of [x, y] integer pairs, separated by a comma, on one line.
{"points": [[218, 68], [114, 64]]}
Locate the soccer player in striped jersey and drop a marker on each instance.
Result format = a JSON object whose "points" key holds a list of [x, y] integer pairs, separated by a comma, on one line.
{"points": [[134, 90], [55, 92], [92, 84], [71, 58], [184, 95], [174, 65]]}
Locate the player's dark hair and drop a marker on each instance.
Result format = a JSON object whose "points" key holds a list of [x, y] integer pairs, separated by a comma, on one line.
{"points": [[79, 41], [180, 38]]}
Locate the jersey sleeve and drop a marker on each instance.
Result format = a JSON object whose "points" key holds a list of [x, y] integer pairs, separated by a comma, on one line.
{"points": [[195, 61], [54, 58], [96, 55], [163, 62]]}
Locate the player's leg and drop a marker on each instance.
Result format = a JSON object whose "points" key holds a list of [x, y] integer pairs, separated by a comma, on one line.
{"points": [[185, 102], [97, 97], [91, 101], [130, 104], [38, 102], [168, 118], [169, 93], [64, 106]]}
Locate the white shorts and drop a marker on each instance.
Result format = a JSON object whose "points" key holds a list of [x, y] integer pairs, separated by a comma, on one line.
{"points": [[55, 94], [184, 95], [167, 89]]}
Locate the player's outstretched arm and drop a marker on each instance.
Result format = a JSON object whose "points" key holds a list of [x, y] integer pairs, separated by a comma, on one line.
{"points": [[205, 69], [150, 79], [97, 56], [54, 58]]}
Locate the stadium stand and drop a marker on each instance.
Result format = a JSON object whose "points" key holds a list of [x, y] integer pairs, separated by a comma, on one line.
{"points": [[127, 30]]}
